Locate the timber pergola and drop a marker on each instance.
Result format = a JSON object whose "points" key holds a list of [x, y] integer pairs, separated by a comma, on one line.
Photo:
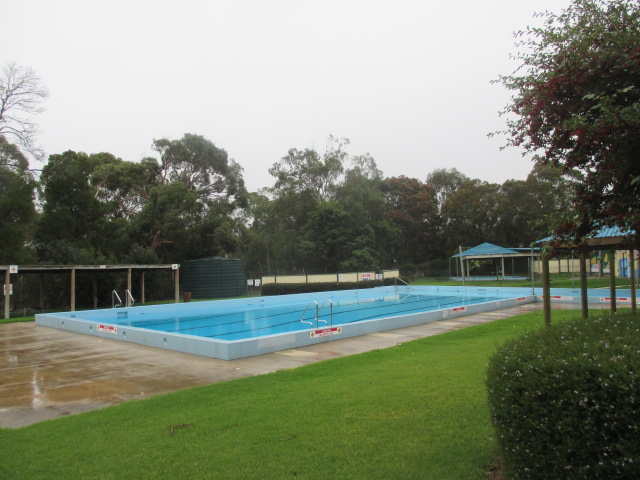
{"points": [[72, 269], [610, 239]]}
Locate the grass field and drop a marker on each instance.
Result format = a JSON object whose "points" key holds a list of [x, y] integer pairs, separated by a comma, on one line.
{"points": [[414, 411]]}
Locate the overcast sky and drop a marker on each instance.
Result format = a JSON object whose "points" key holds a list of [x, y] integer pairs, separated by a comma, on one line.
{"points": [[406, 81]]}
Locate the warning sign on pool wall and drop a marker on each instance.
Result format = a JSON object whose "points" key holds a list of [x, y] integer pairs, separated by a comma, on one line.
{"points": [[325, 332], [108, 329]]}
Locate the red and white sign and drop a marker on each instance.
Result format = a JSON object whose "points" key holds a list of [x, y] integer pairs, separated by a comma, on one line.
{"points": [[326, 332], [521, 299], [108, 329], [557, 298], [619, 299], [458, 310]]}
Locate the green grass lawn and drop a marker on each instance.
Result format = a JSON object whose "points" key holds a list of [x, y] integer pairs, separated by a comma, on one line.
{"points": [[414, 411]]}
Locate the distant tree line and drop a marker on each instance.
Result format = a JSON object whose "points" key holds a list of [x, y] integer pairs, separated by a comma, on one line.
{"points": [[326, 212]]}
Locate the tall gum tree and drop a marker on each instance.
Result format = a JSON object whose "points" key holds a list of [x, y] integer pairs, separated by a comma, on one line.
{"points": [[21, 96]]}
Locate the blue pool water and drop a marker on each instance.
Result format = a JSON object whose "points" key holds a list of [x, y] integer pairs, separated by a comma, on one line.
{"points": [[258, 322], [230, 329]]}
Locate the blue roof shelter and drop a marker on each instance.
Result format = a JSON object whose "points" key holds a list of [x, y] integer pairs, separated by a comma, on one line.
{"points": [[489, 251]]}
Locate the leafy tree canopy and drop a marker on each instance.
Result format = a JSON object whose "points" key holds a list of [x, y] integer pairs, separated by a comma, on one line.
{"points": [[577, 105], [17, 210]]}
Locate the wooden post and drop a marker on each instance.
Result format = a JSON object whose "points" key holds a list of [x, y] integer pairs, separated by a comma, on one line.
{"points": [[73, 289], [584, 295], [612, 279], [601, 262], [128, 293], [546, 290], [7, 297], [176, 274], [632, 277]]}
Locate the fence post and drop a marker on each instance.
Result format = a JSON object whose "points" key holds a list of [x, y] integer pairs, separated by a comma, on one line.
{"points": [[7, 297]]}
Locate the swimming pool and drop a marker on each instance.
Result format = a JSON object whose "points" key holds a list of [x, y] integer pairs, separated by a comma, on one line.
{"points": [[230, 329]]}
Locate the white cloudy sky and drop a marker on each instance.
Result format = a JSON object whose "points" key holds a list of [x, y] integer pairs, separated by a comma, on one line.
{"points": [[407, 81]]}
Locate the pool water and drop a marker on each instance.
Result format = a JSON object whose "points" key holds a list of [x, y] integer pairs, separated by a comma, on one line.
{"points": [[273, 320]]}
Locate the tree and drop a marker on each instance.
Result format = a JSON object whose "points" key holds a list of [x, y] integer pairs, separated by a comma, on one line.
{"points": [[74, 227], [21, 97], [577, 105], [373, 237], [17, 210], [325, 237], [412, 208], [445, 181], [185, 205], [470, 216], [533, 206], [125, 186], [305, 171]]}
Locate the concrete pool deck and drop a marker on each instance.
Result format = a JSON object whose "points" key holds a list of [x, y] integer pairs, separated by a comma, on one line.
{"points": [[46, 373]]}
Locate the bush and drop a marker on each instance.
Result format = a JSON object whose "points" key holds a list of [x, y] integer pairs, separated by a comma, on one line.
{"points": [[564, 401], [291, 288]]}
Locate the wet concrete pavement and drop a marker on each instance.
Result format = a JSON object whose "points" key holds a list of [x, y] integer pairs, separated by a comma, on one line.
{"points": [[47, 373]]}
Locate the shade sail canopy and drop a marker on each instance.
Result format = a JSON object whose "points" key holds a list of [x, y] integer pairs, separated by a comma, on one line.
{"points": [[489, 250]]}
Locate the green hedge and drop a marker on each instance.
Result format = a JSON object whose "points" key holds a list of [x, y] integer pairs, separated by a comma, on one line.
{"points": [[289, 288], [565, 401]]}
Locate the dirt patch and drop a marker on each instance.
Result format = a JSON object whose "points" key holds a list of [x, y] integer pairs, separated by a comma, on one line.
{"points": [[495, 471]]}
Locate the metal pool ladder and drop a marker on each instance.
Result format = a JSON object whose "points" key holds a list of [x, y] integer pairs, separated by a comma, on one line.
{"points": [[317, 316], [114, 296], [128, 297]]}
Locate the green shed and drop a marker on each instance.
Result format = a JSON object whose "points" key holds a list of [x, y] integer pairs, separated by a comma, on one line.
{"points": [[214, 277]]}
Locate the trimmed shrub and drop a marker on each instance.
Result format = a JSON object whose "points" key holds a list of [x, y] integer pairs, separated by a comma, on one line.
{"points": [[291, 288], [565, 401]]}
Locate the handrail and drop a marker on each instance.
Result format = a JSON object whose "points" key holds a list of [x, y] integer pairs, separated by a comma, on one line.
{"points": [[130, 300], [330, 311], [396, 283], [115, 295], [317, 316], [305, 311]]}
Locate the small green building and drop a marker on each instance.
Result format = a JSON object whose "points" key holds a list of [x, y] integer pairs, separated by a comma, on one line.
{"points": [[214, 277]]}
